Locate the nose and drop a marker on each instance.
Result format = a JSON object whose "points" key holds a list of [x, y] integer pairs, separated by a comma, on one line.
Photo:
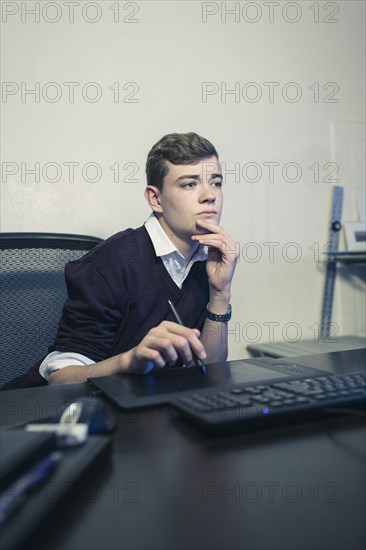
{"points": [[207, 193]]}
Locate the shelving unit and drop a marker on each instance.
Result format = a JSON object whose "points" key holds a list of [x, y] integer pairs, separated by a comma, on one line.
{"points": [[326, 343], [348, 257]]}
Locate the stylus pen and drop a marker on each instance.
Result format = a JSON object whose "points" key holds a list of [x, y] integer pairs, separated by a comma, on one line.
{"points": [[198, 363]]}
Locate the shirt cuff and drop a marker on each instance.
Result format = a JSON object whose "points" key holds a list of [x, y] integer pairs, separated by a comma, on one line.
{"points": [[60, 359]]}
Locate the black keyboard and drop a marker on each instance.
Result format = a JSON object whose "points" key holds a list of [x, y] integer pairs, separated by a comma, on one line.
{"points": [[279, 401]]}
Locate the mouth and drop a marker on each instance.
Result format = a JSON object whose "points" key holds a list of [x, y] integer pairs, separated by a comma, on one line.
{"points": [[207, 213]]}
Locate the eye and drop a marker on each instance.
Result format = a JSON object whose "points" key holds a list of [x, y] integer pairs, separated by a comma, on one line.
{"points": [[188, 185], [217, 183]]}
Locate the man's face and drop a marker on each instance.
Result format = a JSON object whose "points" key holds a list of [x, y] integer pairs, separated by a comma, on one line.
{"points": [[190, 192]]}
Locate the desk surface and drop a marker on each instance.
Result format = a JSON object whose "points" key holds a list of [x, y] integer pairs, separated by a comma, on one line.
{"points": [[168, 486]]}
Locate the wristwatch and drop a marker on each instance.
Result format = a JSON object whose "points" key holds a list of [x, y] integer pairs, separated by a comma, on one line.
{"points": [[223, 318]]}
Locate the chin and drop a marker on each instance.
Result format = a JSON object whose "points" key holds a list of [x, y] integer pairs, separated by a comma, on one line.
{"points": [[200, 231]]}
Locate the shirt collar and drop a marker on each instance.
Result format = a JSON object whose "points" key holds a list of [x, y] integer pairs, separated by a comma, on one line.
{"points": [[163, 245]]}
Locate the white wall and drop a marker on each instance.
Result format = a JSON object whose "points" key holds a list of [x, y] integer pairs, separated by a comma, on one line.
{"points": [[167, 51]]}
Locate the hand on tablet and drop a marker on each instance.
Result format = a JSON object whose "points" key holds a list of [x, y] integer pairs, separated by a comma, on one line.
{"points": [[162, 346]]}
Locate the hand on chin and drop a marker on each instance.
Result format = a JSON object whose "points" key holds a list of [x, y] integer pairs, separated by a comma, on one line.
{"points": [[204, 226]]}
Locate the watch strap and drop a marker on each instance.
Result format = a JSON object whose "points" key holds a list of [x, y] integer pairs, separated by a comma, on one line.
{"points": [[219, 318]]}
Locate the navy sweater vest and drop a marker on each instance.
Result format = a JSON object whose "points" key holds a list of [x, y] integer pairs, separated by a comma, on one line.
{"points": [[119, 291]]}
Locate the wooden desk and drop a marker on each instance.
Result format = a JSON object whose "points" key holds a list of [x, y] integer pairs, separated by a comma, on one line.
{"points": [[170, 487]]}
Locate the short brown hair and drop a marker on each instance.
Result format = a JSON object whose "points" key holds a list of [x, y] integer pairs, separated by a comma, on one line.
{"points": [[177, 149]]}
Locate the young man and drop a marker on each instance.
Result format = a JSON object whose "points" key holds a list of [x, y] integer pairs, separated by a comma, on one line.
{"points": [[117, 317]]}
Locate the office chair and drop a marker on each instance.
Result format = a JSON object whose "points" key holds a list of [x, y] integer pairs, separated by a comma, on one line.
{"points": [[32, 293]]}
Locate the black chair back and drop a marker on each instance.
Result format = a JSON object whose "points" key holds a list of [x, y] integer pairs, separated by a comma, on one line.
{"points": [[32, 293]]}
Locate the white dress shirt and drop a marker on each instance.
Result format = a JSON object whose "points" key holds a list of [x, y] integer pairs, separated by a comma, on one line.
{"points": [[174, 263]]}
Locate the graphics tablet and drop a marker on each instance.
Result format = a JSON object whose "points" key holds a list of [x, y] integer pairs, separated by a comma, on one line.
{"points": [[130, 391]]}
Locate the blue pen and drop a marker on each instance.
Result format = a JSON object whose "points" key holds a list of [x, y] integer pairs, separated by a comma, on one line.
{"points": [[198, 363], [13, 496]]}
